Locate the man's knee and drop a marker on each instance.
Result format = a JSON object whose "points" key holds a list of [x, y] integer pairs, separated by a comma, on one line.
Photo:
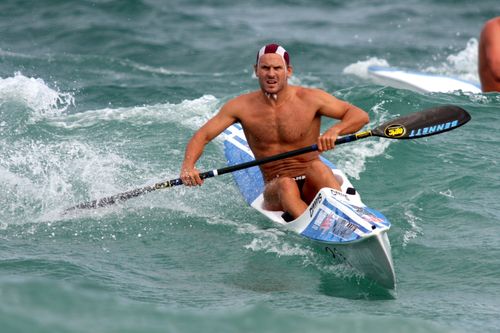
{"points": [[283, 185], [277, 189], [286, 182]]}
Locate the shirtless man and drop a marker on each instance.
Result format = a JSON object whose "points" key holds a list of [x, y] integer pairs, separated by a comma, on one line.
{"points": [[489, 56], [276, 119]]}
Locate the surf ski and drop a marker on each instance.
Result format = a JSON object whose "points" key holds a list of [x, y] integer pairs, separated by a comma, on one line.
{"points": [[419, 81], [338, 222]]}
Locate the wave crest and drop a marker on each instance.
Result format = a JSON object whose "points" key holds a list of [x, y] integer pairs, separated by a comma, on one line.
{"points": [[35, 94]]}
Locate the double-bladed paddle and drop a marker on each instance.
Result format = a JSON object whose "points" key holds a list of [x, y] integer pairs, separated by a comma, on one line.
{"points": [[416, 125]]}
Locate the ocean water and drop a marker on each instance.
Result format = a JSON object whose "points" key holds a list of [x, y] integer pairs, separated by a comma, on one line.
{"points": [[99, 97]]}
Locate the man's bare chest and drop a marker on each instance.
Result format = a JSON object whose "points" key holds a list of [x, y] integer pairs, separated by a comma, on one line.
{"points": [[282, 125]]}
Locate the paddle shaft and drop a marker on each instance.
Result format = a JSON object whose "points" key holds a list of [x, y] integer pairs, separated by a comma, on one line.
{"points": [[209, 174], [419, 124]]}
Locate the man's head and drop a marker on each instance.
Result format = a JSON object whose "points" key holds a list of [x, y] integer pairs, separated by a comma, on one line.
{"points": [[272, 68]]}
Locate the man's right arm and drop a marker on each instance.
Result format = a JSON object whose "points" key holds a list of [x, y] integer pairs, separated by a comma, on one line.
{"points": [[494, 50], [489, 55], [223, 119]]}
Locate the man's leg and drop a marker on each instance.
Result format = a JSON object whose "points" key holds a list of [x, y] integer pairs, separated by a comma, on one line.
{"points": [[283, 194], [318, 175]]}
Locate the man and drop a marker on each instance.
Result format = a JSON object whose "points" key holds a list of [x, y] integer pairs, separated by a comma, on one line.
{"points": [[489, 56], [279, 118]]}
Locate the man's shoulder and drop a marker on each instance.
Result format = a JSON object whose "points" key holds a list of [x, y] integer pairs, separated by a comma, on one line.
{"points": [[244, 97], [303, 90], [492, 25], [238, 103], [307, 93], [494, 21]]}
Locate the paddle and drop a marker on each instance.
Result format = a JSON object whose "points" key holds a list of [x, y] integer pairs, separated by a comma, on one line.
{"points": [[416, 125]]}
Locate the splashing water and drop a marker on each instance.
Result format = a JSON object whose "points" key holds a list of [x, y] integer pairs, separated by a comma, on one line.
{"points": [[35, 94], [462, 65]]}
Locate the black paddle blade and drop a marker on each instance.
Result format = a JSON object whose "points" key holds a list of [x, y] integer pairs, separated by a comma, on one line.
{"points": [[424, 123]]}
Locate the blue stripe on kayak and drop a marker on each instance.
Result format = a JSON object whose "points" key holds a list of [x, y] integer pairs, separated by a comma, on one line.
{"points": [[240, 140], [249, 181], [327, 162]]}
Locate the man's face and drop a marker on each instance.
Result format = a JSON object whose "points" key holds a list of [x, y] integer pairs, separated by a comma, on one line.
{"points": [[272, 73]]}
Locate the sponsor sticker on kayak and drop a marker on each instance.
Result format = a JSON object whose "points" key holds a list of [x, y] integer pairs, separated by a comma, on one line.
{"points": [[330, 227]]}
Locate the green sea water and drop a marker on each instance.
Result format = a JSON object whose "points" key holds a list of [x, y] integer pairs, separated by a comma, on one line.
{"points": [[100, 97]]}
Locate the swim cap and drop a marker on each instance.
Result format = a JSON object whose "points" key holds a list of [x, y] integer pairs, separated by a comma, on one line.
{"points": [[274, 48]]}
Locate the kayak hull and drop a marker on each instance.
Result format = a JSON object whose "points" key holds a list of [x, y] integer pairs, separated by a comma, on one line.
{"points": [[372, 257], [345, 229]]}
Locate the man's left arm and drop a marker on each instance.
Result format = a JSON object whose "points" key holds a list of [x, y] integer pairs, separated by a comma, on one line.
{"points": [[352, 119]]}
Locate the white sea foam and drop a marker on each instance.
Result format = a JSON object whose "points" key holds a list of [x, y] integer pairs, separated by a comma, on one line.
{"points": [[448, 193], [273, 241], [35, 94], [277, 242], [414, 230], [360, 68], [269, 240], [38, 177], [190, 113], [155, 70], [462, 65], [352, 160]]}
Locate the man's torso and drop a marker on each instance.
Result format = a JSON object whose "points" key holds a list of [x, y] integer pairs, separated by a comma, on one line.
{"points": [[272, 129]]}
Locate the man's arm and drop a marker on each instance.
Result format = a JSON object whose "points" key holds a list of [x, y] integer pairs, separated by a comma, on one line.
{"points": [[223, 119], [490, 40], [352, 119]]}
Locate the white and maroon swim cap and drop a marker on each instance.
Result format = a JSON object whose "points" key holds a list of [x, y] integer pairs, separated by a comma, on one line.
{"points": [[274, 48]]}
